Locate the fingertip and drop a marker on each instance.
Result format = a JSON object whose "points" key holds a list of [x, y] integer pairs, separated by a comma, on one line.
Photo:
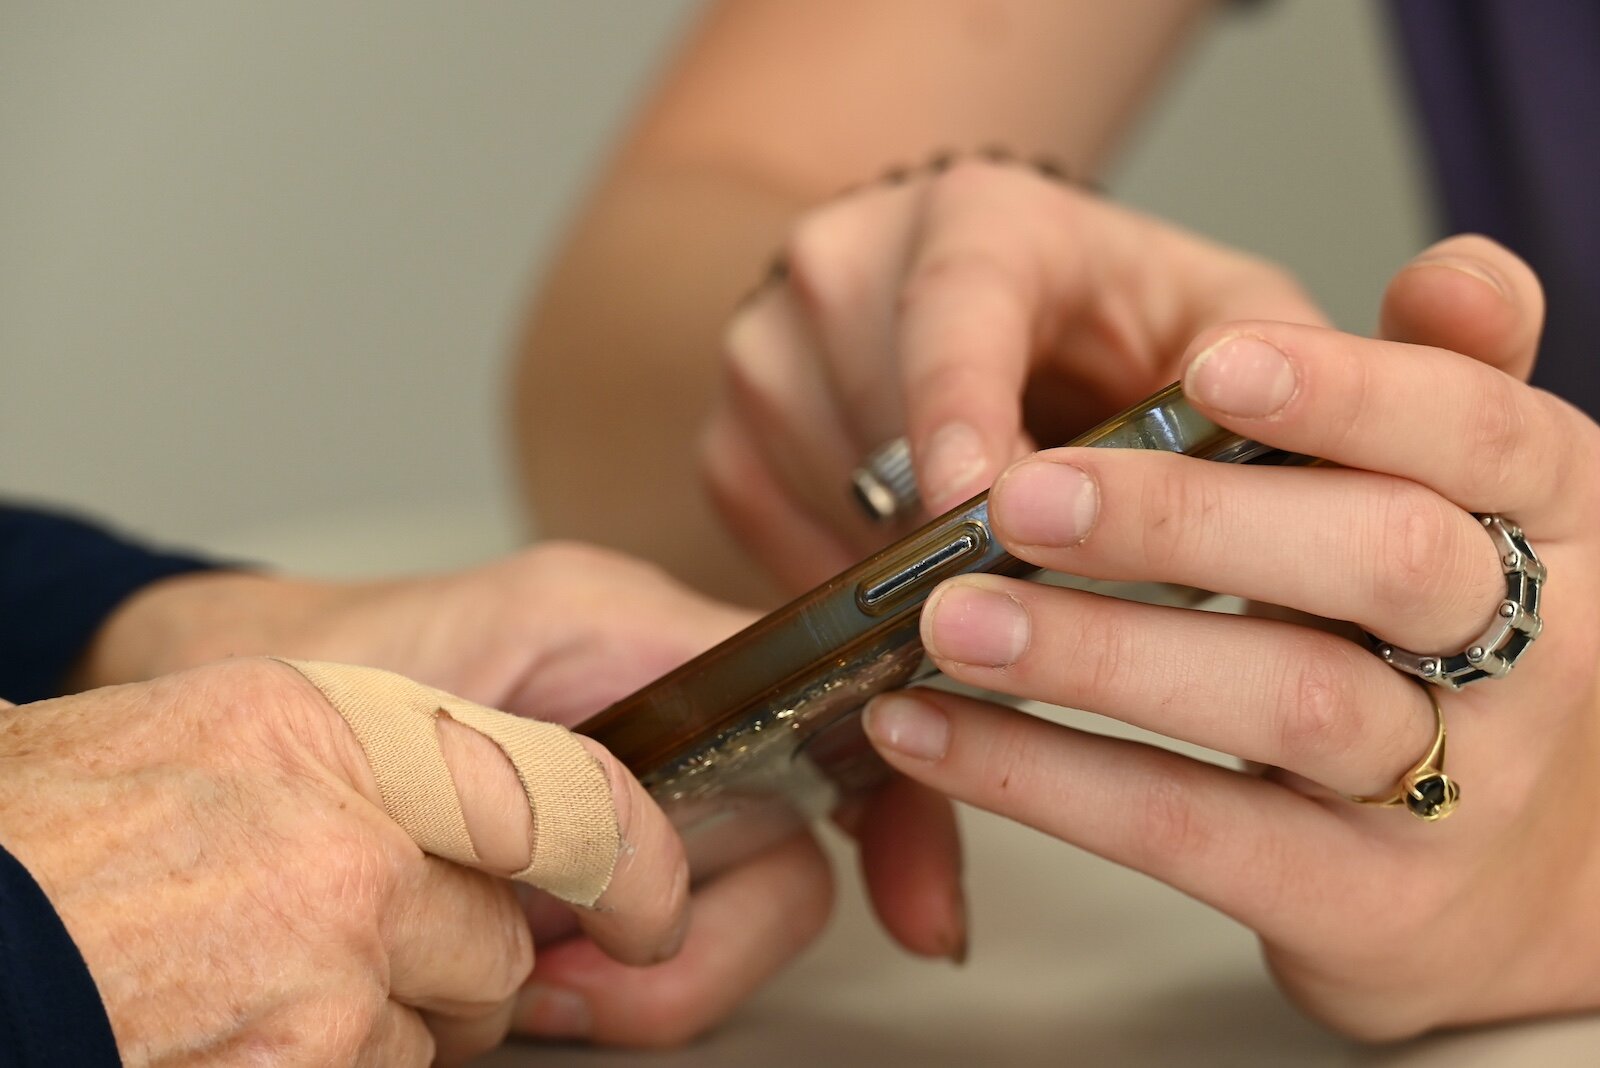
{"points": [[906, 728], [642, 915], [1470, 295], [749, 921], [910, 855], [954, 464]]}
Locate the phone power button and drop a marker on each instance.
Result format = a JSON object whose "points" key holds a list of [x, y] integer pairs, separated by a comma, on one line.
{"points": [[919, 570]]}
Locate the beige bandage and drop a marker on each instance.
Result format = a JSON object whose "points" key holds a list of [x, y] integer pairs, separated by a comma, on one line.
{"points": [[575, 835]]}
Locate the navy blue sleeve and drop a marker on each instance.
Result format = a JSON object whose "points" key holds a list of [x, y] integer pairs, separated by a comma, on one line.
{"points": [[50, 1010], [59, 579]]}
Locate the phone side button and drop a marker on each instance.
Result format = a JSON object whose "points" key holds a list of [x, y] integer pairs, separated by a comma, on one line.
{"points": [[876, 594]]}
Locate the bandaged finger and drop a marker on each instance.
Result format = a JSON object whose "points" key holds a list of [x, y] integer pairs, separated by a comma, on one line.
{"points": [[395, 721]]}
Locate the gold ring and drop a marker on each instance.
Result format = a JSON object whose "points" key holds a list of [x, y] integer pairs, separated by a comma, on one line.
{"points": [[1426, 791]]}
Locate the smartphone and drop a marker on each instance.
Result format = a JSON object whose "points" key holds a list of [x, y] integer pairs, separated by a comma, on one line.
{"points": [[761, 734]]}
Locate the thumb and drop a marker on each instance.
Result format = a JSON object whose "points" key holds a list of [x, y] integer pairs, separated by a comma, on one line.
{"points": [[513, 797], [1470, 295]]}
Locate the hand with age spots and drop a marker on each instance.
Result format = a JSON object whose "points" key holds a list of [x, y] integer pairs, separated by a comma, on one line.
{"points": [[1374, 922], [557, 632], [215, 844]]}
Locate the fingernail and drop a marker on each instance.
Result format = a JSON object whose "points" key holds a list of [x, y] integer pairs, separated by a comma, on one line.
{"points": [[1466, 266], [553, 1012], [1241, 375], [1042, 502], [908, 725], [953, 467], [971, 624]]}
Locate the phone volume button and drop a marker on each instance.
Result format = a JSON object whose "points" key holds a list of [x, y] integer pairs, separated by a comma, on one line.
{"points": [[919, 573]]}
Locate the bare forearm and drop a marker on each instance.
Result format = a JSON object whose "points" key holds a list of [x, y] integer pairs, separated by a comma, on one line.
{"points": [[619, 365]]}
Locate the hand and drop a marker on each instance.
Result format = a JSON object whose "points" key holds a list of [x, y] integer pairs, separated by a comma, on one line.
{"points": [[975, 311], [216, 845], [1376, 923], [558, 632]]}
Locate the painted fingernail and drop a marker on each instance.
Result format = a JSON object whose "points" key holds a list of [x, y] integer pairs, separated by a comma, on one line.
{"points": [[1241, 375], [1042, 502], [553, 1012], [953, 466], [908, 725], [971, 624]]}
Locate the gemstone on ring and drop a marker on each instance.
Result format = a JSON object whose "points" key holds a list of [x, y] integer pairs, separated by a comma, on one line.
{"points": [[1433, 796], [1425, 790]]}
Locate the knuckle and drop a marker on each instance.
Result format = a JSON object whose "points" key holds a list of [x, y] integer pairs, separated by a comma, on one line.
{"points": [[945, 272], [339, 1029], [1166, 824], [1496, 430], [1564, 466], [1180, 506], [950, 379], [248, 701], [1416, 536], [513, 949], [341, 882], [828, 272], [1316, 698], [1110, 662], [749, 366]]}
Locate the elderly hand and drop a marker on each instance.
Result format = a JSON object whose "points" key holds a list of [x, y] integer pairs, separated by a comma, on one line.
{"points": [[974, 311], [215, 843], [1373, 921], [557, 632]]}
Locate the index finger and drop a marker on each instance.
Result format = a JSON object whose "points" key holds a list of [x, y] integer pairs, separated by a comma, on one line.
{"points": [[1014, 270], [1471, 433], [969, 308]]}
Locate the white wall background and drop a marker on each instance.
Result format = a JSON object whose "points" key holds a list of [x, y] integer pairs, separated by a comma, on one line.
{"points": [[260, 262]]}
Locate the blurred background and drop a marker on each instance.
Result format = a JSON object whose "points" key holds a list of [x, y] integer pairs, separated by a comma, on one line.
{"points": [[261, 264]]}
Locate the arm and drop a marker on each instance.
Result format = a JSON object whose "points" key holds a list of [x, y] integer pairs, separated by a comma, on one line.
{"points": [[770, 107]]}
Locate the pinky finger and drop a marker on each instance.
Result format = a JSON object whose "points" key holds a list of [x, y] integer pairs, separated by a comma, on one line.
{"points": [[745, 926], [1229, 839]]}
